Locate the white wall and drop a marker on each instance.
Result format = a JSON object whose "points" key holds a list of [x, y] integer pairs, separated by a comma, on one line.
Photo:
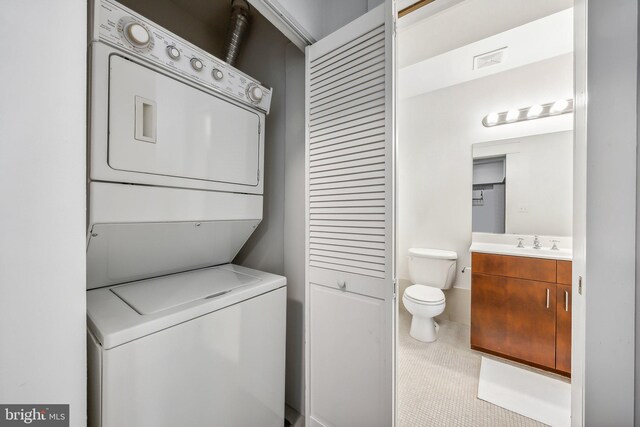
{"points": [[435, 136], [42, 215], [539, 176]]}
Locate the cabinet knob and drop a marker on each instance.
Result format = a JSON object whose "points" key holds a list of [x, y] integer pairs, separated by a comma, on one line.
{"points": [[342, 284]]}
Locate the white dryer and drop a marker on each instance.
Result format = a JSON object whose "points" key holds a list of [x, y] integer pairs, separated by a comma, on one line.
{"points": [[177, 335]]}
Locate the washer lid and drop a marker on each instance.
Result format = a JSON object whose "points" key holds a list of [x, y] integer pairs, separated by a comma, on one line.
{"points": [[162, 293], [432, 253], [113, 313], [424, 294]]}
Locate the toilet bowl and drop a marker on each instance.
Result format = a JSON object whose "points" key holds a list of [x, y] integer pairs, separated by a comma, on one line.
{"points": [[424, 303], [430, 271]]}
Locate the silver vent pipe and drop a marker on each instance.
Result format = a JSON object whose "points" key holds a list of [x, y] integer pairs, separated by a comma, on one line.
{"points": [[237, 28]]}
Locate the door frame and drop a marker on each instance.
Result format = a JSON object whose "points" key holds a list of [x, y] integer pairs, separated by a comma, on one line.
{"points": [[605, 232]]}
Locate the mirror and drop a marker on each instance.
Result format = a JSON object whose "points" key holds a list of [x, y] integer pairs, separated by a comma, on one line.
{"points": [[524, 185]]}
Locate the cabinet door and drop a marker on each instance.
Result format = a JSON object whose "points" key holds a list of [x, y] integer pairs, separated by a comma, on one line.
{"points": [[489, 312], [563, 329], [349, 225], [531, 321]]}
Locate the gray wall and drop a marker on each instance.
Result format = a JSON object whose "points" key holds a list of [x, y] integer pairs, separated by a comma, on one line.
{"points": [[263, 57], [277, 245], [605, 226], [42, 213], [201, 22], [294, 267]]}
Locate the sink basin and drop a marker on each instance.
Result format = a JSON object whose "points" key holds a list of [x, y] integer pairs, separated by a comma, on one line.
{"points": [[502, 249]]}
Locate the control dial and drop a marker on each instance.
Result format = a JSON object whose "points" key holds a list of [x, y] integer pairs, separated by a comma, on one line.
{"points": [[254, 93], [135, 34], [173, 52], [196, 64], [217, 74]]}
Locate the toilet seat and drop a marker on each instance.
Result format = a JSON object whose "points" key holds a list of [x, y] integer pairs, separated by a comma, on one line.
{"points": [[421, 294]]}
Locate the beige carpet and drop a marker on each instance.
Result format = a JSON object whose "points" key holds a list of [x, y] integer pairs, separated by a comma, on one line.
{"points": [[438, 382]]}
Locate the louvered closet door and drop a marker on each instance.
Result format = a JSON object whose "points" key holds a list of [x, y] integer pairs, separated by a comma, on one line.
{"points": [[350, 264]]}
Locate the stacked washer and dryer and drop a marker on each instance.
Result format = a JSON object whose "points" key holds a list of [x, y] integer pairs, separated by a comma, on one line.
{"points": [[177, 336]]}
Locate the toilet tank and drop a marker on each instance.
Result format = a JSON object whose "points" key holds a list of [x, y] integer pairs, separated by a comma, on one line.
{"points": [[432, 267]]}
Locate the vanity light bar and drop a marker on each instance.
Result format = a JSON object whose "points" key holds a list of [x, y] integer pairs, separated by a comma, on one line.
{"points": [[561, 106]]}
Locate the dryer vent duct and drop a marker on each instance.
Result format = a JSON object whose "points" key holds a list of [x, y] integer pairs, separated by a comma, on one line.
{"points": [[237, 28]]}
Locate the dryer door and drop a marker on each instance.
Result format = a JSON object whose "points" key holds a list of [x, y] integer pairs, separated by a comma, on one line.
{"points": [[160, 126]]}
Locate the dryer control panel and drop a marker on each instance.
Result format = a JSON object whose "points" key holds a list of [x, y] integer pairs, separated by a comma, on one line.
{"points": [[121, 27]]}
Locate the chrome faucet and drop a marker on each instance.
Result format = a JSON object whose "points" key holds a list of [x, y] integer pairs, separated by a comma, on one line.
{"points": [[555, 245], [520, 245], [536, 243]]}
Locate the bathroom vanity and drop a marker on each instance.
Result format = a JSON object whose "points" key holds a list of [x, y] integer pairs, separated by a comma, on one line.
{"points": [[521, 307]]}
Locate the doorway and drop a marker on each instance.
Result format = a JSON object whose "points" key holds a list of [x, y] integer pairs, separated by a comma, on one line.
{"points": [[477, 83]]}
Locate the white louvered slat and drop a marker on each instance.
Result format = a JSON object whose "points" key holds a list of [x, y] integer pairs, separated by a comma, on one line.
{"points": [[347, 158], [354, 123], [363, 189], [357, 162], [346, 110], [347, 244], [337, 108], [354, 69], [347, 117], [364, 86], [346, 52], [375, 134], [348, 249], [348, 203], [348, 185], [349, 154]]}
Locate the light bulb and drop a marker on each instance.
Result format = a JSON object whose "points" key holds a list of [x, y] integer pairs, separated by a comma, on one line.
{"points": [[492, 119], [512, 115], [534, 111], [559, 106]]}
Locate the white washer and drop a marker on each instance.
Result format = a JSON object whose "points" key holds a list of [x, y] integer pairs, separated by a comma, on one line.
{"points": [[201, 348]]}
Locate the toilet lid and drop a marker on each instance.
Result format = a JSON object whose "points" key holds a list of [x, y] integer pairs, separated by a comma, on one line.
{"points": [[424, 294]]}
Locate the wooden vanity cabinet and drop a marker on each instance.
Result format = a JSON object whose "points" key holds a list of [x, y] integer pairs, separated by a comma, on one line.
{"points": [[519, 311]]}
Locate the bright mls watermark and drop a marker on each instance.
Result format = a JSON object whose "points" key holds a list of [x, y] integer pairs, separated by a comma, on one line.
{"points": [[34, 415]]}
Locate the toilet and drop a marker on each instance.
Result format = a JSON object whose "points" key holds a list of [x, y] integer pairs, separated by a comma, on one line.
{"points": [[430, 271]]}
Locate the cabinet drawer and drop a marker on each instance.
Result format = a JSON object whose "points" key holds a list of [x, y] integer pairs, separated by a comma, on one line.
{"points": [[538, 269], [564, 272]]}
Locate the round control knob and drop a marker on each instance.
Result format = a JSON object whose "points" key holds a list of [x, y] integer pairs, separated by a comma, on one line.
{"points": [[196, 64], [254, 93], [137, 35], [173, 52], [217, 74]]}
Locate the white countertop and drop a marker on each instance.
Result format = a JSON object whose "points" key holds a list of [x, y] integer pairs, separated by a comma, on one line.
{"points": [[503, 249]]}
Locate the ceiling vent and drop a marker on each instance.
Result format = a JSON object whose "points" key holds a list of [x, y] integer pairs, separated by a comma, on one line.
{"points": [[489, 59]]}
